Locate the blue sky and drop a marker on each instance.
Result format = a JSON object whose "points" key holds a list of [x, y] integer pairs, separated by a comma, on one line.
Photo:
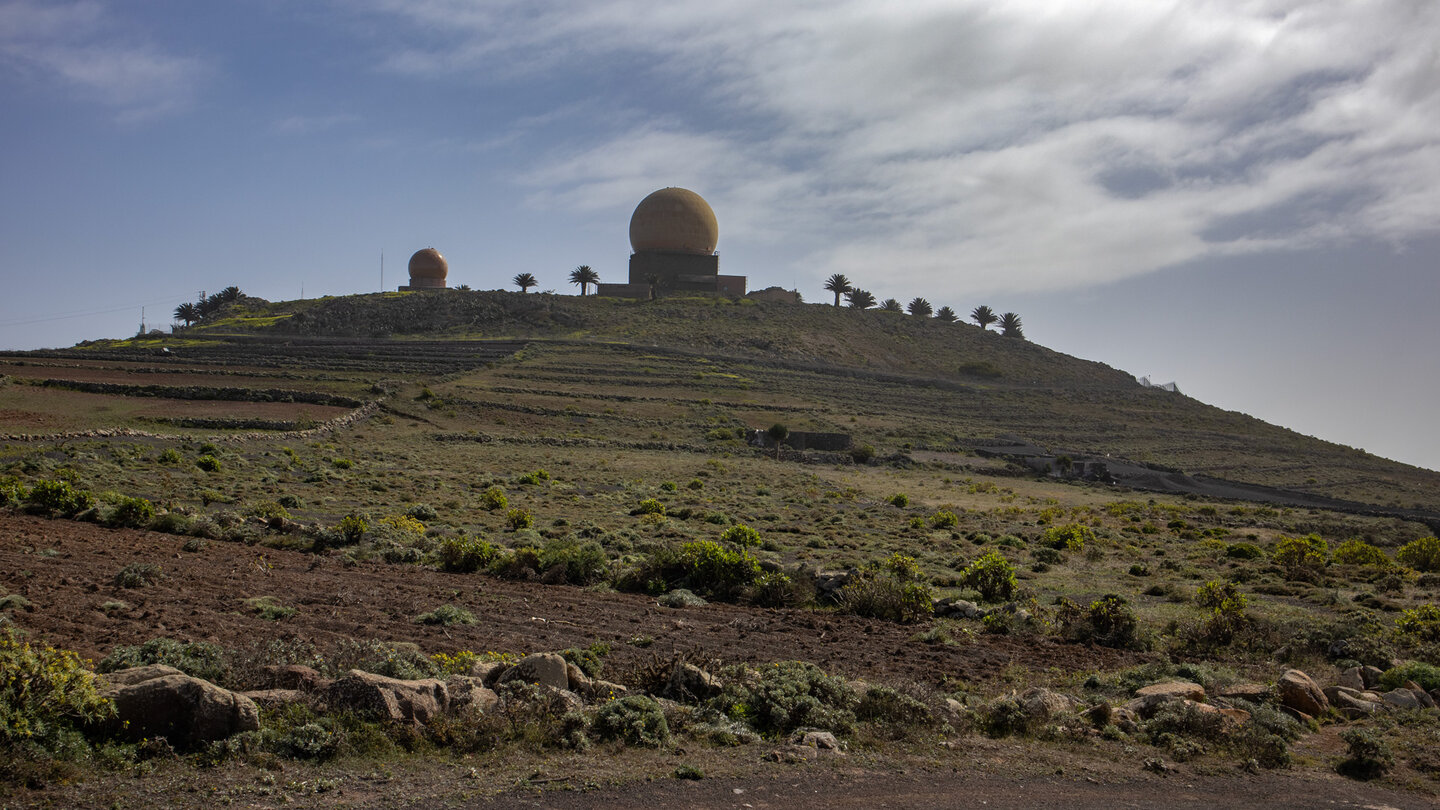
{"points": [[1243, 197]]}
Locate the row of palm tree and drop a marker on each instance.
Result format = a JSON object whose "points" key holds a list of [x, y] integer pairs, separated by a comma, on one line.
{"points": [[582, 276], [208, 305], [983, 316]]}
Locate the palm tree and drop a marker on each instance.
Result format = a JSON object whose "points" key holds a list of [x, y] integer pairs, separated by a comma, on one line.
{"points": [[1010, 326], [839, 285], [920, 308], [187, 312], [891, 305], [983, 315], [860, 299], [584, 276], [524, 281], [945, 314]]}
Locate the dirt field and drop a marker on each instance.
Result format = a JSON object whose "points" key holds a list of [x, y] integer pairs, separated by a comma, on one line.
{"points": [[66, 570]]}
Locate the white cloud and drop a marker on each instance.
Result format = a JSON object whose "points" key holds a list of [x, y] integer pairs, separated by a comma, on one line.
{"points": [[1028, 145], [76, 44]]}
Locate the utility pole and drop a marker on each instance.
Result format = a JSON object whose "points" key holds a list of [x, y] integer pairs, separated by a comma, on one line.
{"points": [[382, 269]]}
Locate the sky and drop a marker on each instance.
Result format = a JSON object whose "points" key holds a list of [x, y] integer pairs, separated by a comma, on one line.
{"points": [[1241, 196]]}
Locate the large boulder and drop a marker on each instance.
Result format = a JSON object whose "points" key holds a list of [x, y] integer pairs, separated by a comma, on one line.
{"points": [[1184, 690], [186, 711], [389, 698], [547, 669], [1042, 705], [1299, 693], [1351, 702]]}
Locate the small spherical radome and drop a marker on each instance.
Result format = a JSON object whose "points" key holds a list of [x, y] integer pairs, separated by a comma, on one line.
{"points": [[674, 220], [429, 264]]}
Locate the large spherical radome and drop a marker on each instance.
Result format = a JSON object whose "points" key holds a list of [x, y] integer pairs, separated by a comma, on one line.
{"points": [[674, 220], [429, 264]]}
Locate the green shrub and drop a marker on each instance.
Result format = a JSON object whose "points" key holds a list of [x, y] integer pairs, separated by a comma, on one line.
{"points": [[269, 608], [352, 528], [789, 695], [465, 554], [892, 590], [12, 492], [1359, 552], [992, 575], [899, 499], [1244, 551], [579, 563], [1367, 754], [169, 456], [423, 512], [588, 659], [1422, 554], [44, 692], [1426, 675], [649, 506], [741, 535], [1301, 558], [944, 519], [634, 720], [199, 659], [493, 499], [1222, 597], [446, 616], [59, 498], [886, 706], [1109, 622], [342, 463], [133, 513], [138, 575], [393, 660], [208, 463], [533, 479], [862, 454], [1072, 537], [1421, 622], [713, 569], [519, 519]]}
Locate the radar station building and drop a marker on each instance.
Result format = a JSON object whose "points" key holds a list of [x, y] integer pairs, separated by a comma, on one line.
{"points": [[428, 270], [672, 238]]}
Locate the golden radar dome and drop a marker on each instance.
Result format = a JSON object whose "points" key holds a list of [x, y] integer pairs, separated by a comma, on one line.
{"points": [[428, 264], [674, 220]]}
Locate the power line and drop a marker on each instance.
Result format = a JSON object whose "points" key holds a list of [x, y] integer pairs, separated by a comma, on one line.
{"points": [[88, 313]]}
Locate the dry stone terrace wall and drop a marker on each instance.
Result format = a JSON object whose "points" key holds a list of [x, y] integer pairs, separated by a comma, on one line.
{"points": [[338, 423]]}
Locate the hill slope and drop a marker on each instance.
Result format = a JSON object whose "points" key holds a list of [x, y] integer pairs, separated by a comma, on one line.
{"points": [[943, 384]]}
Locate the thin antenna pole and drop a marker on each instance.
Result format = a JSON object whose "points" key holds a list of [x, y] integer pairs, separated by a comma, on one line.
{"points": [[382, 269]]}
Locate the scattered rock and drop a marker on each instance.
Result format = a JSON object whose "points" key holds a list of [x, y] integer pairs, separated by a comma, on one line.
{"points": [[821, 740], [294, 676], [488, 671], [389, 698], [1351, 679], [1401, 699], [689, 682], [1351, 703], [681, 598], [186, 711], [134, 675], [1371, 676], [1420, 694], [1253, 692], [954, 608], [275, 698], [1041, 704], [576, 680], [542, 668], [1179, 689], [468, 692], [1299, 692]]}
